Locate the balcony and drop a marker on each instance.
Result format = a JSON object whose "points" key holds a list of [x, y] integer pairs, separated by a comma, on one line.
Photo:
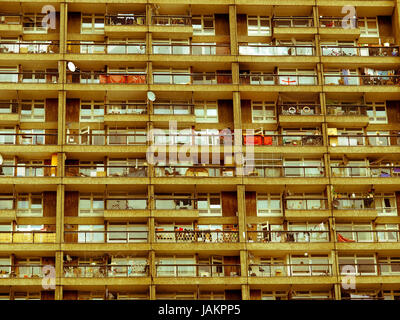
{"points": [[198, 270], [293, 27], [197, 236], [27, 170], [35, 237], [361, 207], [105, 270], [11, 24], [37, 47], [351, 115], [102, 139], [266, 50], [24, 271], [195, 171], [371, 269], [296, 114], [193, 49], [290, 270], [98, 77], [102, 48], [362, 140], [177, 25], [277, 171], [283, 140], [362, 80], [106, 171], [366, 172], [31, 139], [199, 78], [9, 112], [117, 237], [183, 113], [125, 24], [368, 236], [265, 79], [296, 208], [336, 28], [125, 114], [360, 51], [29, 77], [305, 236]]}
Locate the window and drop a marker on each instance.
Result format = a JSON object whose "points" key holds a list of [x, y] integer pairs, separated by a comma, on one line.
{"points": [[172, 107], [34, 76], [92, 111], [303, 168], [361, 232], [29, 267], [337, 76], [211, 295], [203, 25], [32, 136], [91, 168], [263, 111], [30, 204], [126, 46], [305, 201], [311, 295], [313, 265], [363, 264], [206, 111], [389, 265], [173, 201], [32, 23], [7, 135], [368, 26], [126, 201], [33, 168], [92, 23], [297, 77], [385, 204], [268, 205], [309, 232], [9, 74], [32, 110], [7, 106], [209, 204], [176, 266], [127, 107], [387, 232], [126, 168], [274, 295], [27, 296], [5, 267], [91, 204], [128, 266], [171, 76], [339, 48], [91, 296], [171, 46], [6, 201], [378, 138], [125, 232], [376, 112], [127, 136], [258, 26], [91, 234], [350, 137]]}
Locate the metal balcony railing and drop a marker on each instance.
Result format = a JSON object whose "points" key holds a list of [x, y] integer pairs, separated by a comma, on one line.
{"points": [[275, 50], [306, 204], [106, 171], [174, 203], [287, 236], [195, 171], [171, 20], [337, 22], [376, 140], [197, 270], [360, 51], [28, 138], [283, 140], [367, 235], [366, 80], [292, 22], [346, 110], [101, 139], [99, 77], [278, 79], [290, 270], [173, 109], [134, 203], [27, 170], [22, 271], [203, 236], [36, 236], [191, 49], [29, 47], [365, 171], [194, 139], [299, 109], [198, 78], [127, 19], [10, 19], [99, 236], [125, 108], [105, 270], [29, 77], [369, 269], [271, 171], [82, 47]]}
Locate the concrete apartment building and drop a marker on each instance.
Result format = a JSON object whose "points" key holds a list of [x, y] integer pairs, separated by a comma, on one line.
{"points": [[307, 91]]}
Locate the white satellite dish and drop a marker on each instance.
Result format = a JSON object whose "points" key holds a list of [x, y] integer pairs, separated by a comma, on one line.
{"points": [[151, 96], [71, 66], [1, 160]]}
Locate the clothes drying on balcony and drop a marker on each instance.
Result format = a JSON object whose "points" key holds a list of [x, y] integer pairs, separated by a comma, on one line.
{"points": [[343, 239]]}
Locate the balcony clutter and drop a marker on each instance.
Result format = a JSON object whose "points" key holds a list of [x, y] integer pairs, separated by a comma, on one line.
{"points": [[138, 79]]}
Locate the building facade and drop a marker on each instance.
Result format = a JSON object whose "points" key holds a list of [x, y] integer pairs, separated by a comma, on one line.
{"points": [[273, 128]]}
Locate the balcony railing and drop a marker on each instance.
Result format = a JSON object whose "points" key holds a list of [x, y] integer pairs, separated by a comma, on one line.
{"points": [[367, 235], [368, 172], [197, 270], [99, 236], [171, 20], [346, 110], [125, 20], [29, 77], [10, 19], [125, 108], [192, 49], [287, 236], [99, 139], [361, 51], [195, 171], [370, 269], [173, 109], [203, 236], [175, 203], [292, 22], [299, 109], [275, 50], [278, 79], [355, 203], [28, 47], [362, 140], [27, 236], [193, 139], [105, 270], [25, 170], [283, 140], [98, 77], [106, 171], [366, 80], [139, 203], [22, 271], [106, 48], [28, 138], [192, 78], [270, 171], [306, 204], [337, 22], [290, 270]]}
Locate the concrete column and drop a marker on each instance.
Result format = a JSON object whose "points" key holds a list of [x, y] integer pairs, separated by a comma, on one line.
{"points": [[60, 215], [233, 29], [59, 275], [241, 212], [245, 292], [61, 116]]}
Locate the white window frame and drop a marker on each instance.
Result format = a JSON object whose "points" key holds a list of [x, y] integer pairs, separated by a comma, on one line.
{"points": [[362, 23], [210, 211], [30, 211], [265, 106], [201, 29], [37, 112], [93, 29], [95, 105], [206, 106], [258, 29], [91, 211], [372, 113], [37, 23], [268, 212], [126, 230]]}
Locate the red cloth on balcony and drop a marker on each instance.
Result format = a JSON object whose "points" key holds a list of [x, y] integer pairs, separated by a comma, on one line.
{"points": [[103, 78], [136, 79], [268, 141], [343, 239], [253, 140], [115, 78]]}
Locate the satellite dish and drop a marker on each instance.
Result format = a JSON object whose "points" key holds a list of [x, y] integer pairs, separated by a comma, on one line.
{"points": [[71, 66], [1, 160], [151, 96]]}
